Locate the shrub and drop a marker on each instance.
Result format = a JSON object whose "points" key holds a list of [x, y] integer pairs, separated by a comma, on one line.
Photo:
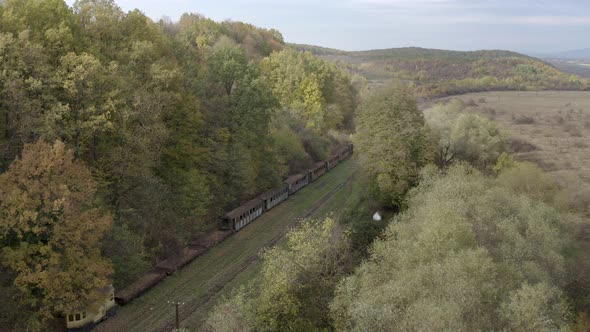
{"points": [[523, 119], [467, 255], [465, 136], [292, 291], [470, 103], [573, 130]]}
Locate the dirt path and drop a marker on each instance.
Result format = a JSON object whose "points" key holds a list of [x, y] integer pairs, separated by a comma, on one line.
{"points": [[198, 283]]}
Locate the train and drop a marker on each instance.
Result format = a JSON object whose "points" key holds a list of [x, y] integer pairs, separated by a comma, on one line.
{"points": [[84, 319], [233, 221], [241, 216]]}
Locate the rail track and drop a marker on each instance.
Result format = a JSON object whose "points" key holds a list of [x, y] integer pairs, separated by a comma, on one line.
{"points": [[151, 312]]}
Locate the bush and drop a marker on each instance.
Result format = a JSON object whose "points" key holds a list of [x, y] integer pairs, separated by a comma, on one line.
{"points": [[523, 119], [465, 136], [467, 255], [528, 179], [573, 130], [470, 103], [294, 287]]}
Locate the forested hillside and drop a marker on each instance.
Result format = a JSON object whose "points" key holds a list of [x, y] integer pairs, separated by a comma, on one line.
{"points": [[154, 128], [442, 72]]}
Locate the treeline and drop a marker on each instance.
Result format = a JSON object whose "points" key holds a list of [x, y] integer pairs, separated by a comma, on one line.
{"points": [[167, 125], [480, 242], [437, 73]]}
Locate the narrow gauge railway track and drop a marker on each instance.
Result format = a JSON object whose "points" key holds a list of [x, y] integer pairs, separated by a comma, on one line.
{"points": [[192, 306], [152, 313]]}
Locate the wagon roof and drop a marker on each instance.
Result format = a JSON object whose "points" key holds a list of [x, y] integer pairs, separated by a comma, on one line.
{"points": [[319, 164], [244, 207], [274, 191], [293, 178]]}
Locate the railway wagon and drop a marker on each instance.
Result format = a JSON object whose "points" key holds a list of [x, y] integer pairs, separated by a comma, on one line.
{"points": [[345, 152], [317, 170], [332, 161], [140, 286], [297, 182], [85, 319], [243, 215], [275, 197]]}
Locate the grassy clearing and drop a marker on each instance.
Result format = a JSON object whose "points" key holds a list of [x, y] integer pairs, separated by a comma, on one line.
{"points": [[551, 129], [227, 265]]}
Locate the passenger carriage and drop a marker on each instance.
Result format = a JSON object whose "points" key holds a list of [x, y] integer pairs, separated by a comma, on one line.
{"points": [[345, 152], [85, 319], [317, 170], [297, 182], [275, 197], [243, 215], [332, 161]]}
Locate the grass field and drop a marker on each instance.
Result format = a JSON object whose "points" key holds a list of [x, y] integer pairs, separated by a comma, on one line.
{"points": [[551, 129], [231, 263]]}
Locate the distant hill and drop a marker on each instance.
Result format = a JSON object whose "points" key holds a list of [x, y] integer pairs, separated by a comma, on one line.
{"points": [[574, 66], [442, 72]]}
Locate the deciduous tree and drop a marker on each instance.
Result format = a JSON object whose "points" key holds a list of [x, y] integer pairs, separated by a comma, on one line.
{"points": [[465, 136], [51, 229], [392, 142]]}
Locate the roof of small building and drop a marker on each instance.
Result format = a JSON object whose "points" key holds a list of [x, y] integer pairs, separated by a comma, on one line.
{"points": [[243, 208]]}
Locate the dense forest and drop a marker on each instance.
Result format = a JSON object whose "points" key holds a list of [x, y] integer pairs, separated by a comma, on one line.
{"points": [[435, 73], [137, 135], [122, 139]]}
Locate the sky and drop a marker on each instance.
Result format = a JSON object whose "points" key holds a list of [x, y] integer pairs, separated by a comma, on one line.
{"points": [[530, 26]]}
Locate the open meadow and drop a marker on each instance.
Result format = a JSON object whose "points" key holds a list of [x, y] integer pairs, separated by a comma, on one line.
{"points": [[550, 129]]}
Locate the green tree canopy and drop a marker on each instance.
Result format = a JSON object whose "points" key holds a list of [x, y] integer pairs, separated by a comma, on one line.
{"points": [[465, 136], [392, 142], [295, 285], [465, 248]]}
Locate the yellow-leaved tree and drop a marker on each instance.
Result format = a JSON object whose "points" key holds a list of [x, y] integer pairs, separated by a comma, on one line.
{"points": [[51, 229]]}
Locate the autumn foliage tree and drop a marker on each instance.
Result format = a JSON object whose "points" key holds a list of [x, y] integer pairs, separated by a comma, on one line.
{"points": [[177, 122], [50, 230]]}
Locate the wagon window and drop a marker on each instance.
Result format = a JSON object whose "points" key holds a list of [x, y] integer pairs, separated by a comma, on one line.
{"points": [[77, 316], [70, 318], [84, 315]]}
